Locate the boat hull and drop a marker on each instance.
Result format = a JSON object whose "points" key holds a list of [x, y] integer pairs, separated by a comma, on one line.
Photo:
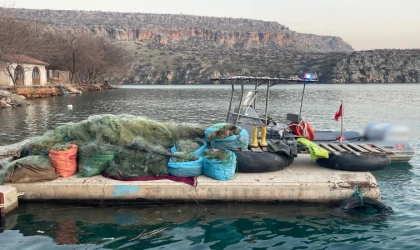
{"points": [[402, 151]]}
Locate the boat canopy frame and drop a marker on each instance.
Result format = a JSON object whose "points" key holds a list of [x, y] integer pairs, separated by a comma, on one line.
{"points": [[259, 81]]}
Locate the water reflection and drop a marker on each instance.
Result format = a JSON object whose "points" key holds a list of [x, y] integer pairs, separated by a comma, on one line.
{"points": [[206, 226]]}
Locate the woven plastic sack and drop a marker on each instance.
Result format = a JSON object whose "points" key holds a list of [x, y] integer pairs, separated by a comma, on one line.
{"points": [[35, 168], [232, 142], [94, 164], [64, 162], [222, 170], [186, 169], [213, 128]]}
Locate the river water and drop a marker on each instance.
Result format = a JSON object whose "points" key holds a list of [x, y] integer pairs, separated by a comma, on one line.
{"points": [[223, 226]]}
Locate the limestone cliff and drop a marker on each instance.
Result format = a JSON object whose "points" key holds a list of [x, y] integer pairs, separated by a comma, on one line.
{"points": [[378, 66], [186, 49], [170, 29]]}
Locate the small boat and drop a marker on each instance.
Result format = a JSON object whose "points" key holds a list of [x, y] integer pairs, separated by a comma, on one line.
{"points": [[397, 148], [401, 150], [391, 139], [259, 157]]}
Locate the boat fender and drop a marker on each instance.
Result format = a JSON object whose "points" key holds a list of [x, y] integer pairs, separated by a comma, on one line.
{"points": [[303, 129], [354, 202], [358, 200], [362, 163]]}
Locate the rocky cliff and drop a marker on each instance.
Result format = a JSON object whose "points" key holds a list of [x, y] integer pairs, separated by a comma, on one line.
{"points": [[378, 66], [170, 29], [186, 49]]}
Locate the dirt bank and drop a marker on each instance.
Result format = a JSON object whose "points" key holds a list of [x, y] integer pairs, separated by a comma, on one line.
{"points": [[11, 97]]}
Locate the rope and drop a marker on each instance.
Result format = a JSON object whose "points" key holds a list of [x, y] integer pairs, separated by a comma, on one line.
{"points": [[357, 193], [303, 128]]}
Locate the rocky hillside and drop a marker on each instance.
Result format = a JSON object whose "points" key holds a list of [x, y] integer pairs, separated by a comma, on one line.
{"points": [[185, 49], [378, 66], [170, 29]]}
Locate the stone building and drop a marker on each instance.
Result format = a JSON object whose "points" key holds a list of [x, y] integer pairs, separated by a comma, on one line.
{"points": [[26, 70]]}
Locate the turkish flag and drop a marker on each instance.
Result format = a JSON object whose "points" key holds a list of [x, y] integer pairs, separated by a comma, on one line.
{"points": [[339, 113]]}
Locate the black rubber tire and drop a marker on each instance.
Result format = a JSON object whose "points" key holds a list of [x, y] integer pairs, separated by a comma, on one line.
{"points": [[354, 202], [355, 163], [261, 162]]}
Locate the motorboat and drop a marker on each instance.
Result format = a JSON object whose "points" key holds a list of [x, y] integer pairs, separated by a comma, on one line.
{"points": [[265, 153], [380, 139]]}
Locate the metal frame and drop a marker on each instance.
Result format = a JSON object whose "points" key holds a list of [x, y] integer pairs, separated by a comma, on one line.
{"points": [[241, 80]]}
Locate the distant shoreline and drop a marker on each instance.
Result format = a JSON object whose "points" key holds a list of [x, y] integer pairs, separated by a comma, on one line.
{"points": [[282, 83]]}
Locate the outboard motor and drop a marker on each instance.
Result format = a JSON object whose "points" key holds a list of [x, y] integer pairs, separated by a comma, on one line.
{"points": [[386, 132]]}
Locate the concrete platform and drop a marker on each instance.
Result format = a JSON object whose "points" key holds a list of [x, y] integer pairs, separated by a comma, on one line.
{"points": [[303, 181], [8, 199]]}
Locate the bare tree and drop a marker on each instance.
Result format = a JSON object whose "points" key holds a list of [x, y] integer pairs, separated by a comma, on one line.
{"points": [[12, 42], [103, 59], [21, 37], [81, 54], [90, 57]]}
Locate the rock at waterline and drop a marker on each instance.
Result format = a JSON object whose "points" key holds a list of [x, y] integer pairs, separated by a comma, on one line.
{"points": [[8, 99]]}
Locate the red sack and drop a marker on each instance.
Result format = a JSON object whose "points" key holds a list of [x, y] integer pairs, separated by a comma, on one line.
{"points": [[64, 162]]}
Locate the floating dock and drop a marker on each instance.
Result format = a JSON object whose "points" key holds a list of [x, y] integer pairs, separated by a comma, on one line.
{"points": [[302, 181], [8, 199]]}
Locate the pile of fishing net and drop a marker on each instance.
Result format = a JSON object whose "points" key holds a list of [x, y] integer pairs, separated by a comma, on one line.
{"points": [[120, 145], [227, 136], [114, 130], [126, 146], [139, 158]]}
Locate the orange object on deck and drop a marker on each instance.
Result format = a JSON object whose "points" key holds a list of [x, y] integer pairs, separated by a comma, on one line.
{"points": [[64, 162], [303, 129]]}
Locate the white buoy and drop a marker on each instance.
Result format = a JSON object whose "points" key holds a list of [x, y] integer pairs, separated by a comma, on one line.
{"points": [[69, 107]]}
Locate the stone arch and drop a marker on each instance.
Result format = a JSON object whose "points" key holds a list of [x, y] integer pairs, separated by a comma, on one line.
{"points": [[19, 75], [36, 77]]}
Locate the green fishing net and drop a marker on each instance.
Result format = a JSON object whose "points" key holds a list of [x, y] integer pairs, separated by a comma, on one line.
{"points": [[121, 145], [221, 155], [115, 130], [133, 163]]}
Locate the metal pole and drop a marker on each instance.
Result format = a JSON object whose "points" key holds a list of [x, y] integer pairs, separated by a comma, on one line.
{"points": [[342, 118], [231, 99], [240, 102], [255, 99], [266, 102], [301, 102]]}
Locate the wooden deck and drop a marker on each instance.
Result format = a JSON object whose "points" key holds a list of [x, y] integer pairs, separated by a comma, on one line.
{"points": [[357, 149], [258, 149]]}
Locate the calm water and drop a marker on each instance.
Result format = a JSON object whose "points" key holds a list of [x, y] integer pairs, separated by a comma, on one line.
{"points": [[223, 226]]}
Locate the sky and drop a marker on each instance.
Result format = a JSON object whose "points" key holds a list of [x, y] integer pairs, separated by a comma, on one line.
{"points": [[364, 24]]}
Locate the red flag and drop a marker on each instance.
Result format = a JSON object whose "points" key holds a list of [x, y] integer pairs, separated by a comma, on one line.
{"points": [[339, 113]]}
